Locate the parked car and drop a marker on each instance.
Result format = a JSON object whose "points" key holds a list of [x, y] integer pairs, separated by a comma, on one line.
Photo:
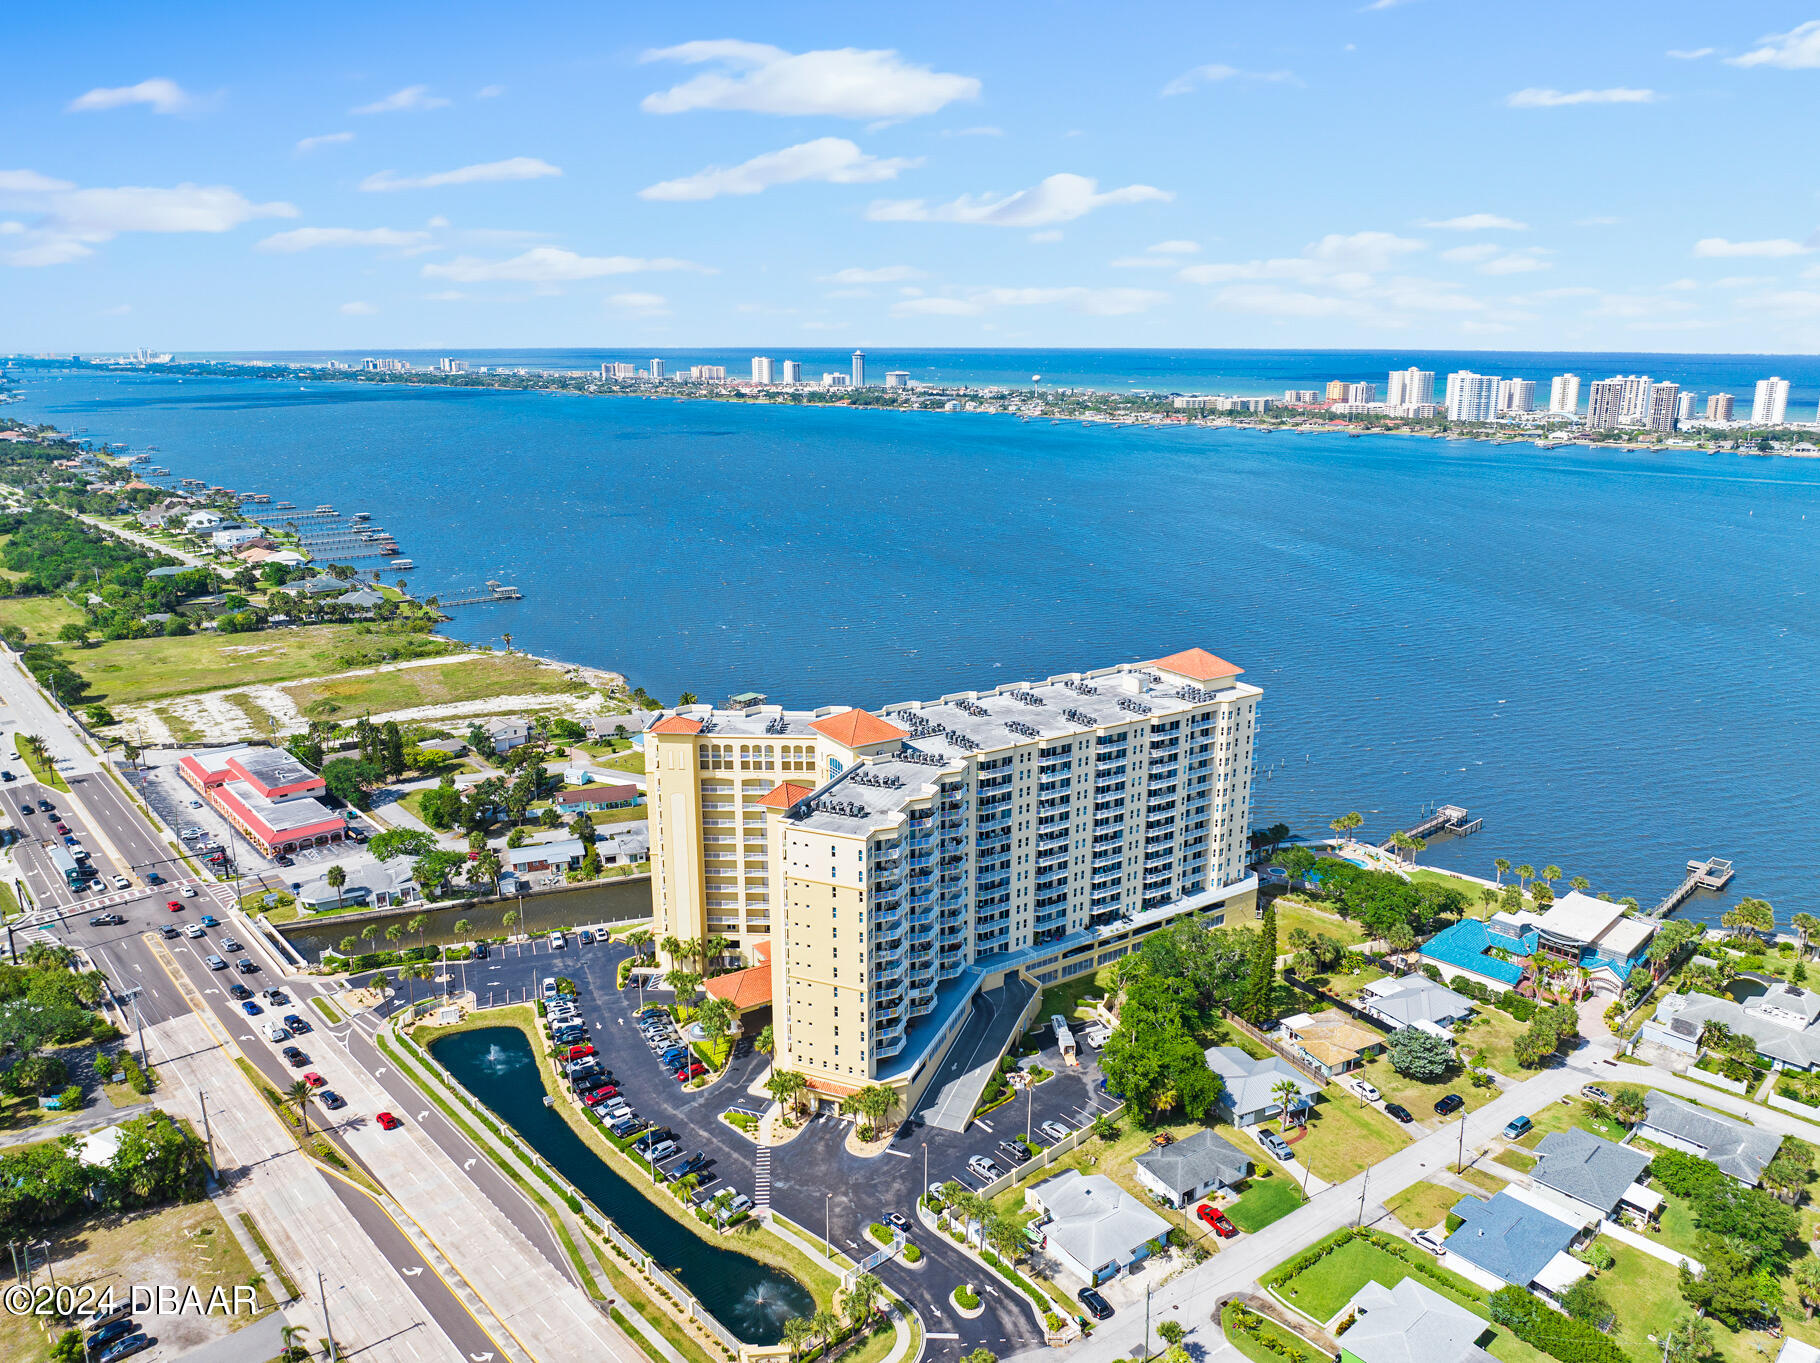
{"points": [[558, 942], [480, 951], [1275, 1145], [1593, 1093], [314, 1080], [585, 937], [1055, 1131], [1014, 1151], [388, 1122], [296, 1025], [1430, 1241], [695, 1071], [1369, 1092], [1097, 1306], [134, 1343], [645, 1142], [1516, 1126], [1217, 1221], [250, 1008], [1453, 1102], [983, 1168], [294, 1057], [118, 1328], [330, 1099], [625, 1126], [1401, 1113], [661, 1151]]}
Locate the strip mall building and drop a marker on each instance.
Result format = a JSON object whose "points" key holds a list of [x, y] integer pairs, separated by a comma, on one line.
{"points": [[267, 794]]}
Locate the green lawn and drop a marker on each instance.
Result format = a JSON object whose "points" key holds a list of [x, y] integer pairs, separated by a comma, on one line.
{"points": [[1422, 1204], [39, 616], [1344, 1136], [1296, 913], [494, 674], [128, 670], [42, 771], [1065, 998], [1418, 1097], [1516, 1158], [1565, 1117], [625, 761], [1256, 1351], [1264, 1201], [1351, 986], [1491, 1036]]}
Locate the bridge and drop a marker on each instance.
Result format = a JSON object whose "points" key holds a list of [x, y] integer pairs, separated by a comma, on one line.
{"points": [[1711, 874], [1446, 819]]}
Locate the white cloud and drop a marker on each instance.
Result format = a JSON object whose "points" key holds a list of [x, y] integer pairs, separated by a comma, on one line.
{"points": [[1517, 262], [69, 222], [1720, 248], [831, 159], [309, 144], [1362, 250], [1683, 284], [1275, 301], [160, 95], [1175, 248], [358, 309], [982, 131], [413, 99], [1545, 98], [489, 92], [1471, 255], [548, 265], [1162, 256], [30, 182], [1215, 72], [49, 250], [1690, 54], [437, 221], [643, 304], [445, 296], [842, 83], [1059, 198], [1751, 281], [309, 238], [490, 172], [1476, 222], [884, 274], [1796, 50], [1094, 302], [1635, 307]]}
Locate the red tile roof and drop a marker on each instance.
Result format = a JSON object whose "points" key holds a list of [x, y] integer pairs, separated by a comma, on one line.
{"points": [[677, 724], [1197, 664], [856, 728], [744, 989], [784, 794]]}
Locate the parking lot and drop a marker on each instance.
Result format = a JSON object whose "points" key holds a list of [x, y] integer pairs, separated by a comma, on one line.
{"points": [[812, 1179]]}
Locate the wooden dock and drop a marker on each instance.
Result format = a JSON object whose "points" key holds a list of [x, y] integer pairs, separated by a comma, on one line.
{"points": [[493, 591], [1446, 819], [1712, 874]]}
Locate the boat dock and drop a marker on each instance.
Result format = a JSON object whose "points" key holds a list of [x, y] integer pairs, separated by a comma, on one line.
{"points": [[1446, 819], [1712, 874], [493, 592]]}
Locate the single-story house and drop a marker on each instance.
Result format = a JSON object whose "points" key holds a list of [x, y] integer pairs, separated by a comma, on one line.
{"points": [[1184, 1172], [1248, 1086], [1740, 1150], [1506, 1240], [1592, 1175], [364, 598], [1094, 1227], [566, 854], [171, 571], [317, 586], [452, 747], [1783, 1023], [1410, 1323], [1330, 1041], [596, 798], [506, 733], [624, 845], [1412, 1001]]}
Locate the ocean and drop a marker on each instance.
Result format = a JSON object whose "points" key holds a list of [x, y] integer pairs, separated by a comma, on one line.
{"points": [[1609, 656]]}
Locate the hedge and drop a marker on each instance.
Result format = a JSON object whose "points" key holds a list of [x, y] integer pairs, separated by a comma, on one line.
{"points": [[1559, 1336], [1243, 1320]]}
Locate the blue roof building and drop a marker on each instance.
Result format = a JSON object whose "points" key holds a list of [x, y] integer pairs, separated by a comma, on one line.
{"points": [[1515, 1242], [1466, 947]]}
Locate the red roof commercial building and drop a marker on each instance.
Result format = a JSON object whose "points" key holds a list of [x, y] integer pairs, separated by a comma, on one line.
{"points": [[267, 794]]}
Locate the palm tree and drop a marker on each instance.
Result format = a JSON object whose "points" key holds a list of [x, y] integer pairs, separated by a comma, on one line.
{"points": [[1285, 1091], [418, 924], [1807, 1283], [337, 877], [871, 1103], [797, 1332], [1550, 874], [1581, 883], [288, 1335], [1346, 823], [670, 947], [367, 930], [1806, 927], [862, 1297], [786, 1086], [394, 933], [462, 927], [298, 1096], [1524, 872], [638, 939], [766, 1041], [825, 1324], [1503, 865]]}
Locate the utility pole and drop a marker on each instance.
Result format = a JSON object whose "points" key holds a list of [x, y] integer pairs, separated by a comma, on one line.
{"points": [[208, 1135], [1029, 1107], [1460, 1164], [1146, 1321], [139, 1026], [1366, 1183], [328, 1329]]}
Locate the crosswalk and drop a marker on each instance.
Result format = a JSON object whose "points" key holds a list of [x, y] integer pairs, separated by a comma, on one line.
{"points": [[761, 1182]]}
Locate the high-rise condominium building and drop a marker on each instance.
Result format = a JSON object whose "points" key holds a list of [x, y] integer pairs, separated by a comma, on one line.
{"points": [[449, 365], [1470, 396], [1635, 399], [1685, 411], [1409, 387], [618, 369], [1564, 394], [859, 369], [1664, 406], [907, 883], [897, 378], [1516, 396], [657, 370], [1336, 390], [793, 371], [761, 369], [1719, 407], [1605, 405], [1359, 394], [1301, 397], [1770, 407]]}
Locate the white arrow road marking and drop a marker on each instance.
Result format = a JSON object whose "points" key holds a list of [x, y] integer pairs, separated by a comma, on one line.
{"points": [[424, 1116], [412, 1272], [379, 1071], [481, 1358], [467, 1165]]}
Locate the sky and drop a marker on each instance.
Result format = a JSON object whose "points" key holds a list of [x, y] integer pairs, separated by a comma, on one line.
{"points": [[1382, 173]]}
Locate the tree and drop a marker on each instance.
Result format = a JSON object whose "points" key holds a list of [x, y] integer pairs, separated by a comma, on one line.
{"points": [[1346, 823], [1806, 1280], [68, 1346], [350, 780], [862, 1297], [1750, 915], [871, 1103], [441, 805], [1727, 1287], [1550, 874], [1419, 1055], [337, 877], [1171, 1331], [1751, 1222], [1629, 1104], [796, 1334], [767, 1041], [1260, 988], [1584, 1301], [298, 1096], [1689, 1342], [640, 938], [786, 1086], [684, 982], [489, 868], [401, 842], [1285, 1091], [509, 919], [1503, 865], [825, 1324]]}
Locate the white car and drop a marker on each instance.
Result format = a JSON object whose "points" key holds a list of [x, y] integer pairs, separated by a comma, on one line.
{"points": [[122, 883], [1055, 1131], [189, 891], [1430, 1240], [1366, 1091]]}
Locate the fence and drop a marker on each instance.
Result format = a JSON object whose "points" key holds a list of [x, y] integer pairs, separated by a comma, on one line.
{"points": [[592, 1216], [1277, 1048], [878, 1256]]}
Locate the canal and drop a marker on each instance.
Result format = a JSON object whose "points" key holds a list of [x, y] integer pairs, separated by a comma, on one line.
{"points": [[752, 1299]]}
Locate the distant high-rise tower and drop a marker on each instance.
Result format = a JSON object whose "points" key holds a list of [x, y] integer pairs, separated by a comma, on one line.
{"points": [[1336, 390], [657, 369], [1516, 396], [1605, 405], [1410, 387], [1719, 407], [1564, 394], [1771, 405], [859, 369], [761, 369], [1664, 406], [1635, 401], [1470, 396], [898, 378], [1361, 392], [793, 371], [1685, 412]]}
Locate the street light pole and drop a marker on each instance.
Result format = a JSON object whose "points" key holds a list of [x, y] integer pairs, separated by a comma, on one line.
{"points": [[323, 1297], [1460, 1164], [208, 1135], [827, 1238]]}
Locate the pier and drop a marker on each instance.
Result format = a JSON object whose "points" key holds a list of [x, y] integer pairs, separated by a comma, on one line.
{"points": [[1712, 874], [1446, 819], [493, 592]]}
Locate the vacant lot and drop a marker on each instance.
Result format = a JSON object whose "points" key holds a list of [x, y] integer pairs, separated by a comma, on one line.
{"points": [[186, 1243], [128, 670], [497, 674], [1344, 1136], [39, 616], [1422, 1204], [1293, 914]]}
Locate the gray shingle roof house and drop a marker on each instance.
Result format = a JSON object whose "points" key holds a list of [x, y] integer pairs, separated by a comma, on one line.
{"points": [[1739, 1150], [1189, 1169], [1509, 1239], [1783, 1022], [1410, 1323], [1588, 1169], [1096, 1228], [1247, 1095], [1414, 999]]}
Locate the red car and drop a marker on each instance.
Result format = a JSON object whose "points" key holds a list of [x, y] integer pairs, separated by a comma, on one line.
{"points": [[580, 1052], [314, 1080], [388, 1122], [693, 1072], [63, 828], [174, 905], [1216, 1219], [601, 1094]]}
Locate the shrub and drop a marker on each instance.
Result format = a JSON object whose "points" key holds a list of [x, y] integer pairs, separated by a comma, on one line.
{"points": [[966, 1298], [1571, 1341], [912, 1254], [71, 1098]]}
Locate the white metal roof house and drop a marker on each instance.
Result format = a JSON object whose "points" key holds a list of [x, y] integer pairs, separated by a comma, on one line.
{"points": [[1095, 1228], [1410, 1323], [1248, 1086], [1783, 1022]]}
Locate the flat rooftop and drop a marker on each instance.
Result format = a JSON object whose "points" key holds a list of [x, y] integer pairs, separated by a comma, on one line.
{"points": [[281, 816]]}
